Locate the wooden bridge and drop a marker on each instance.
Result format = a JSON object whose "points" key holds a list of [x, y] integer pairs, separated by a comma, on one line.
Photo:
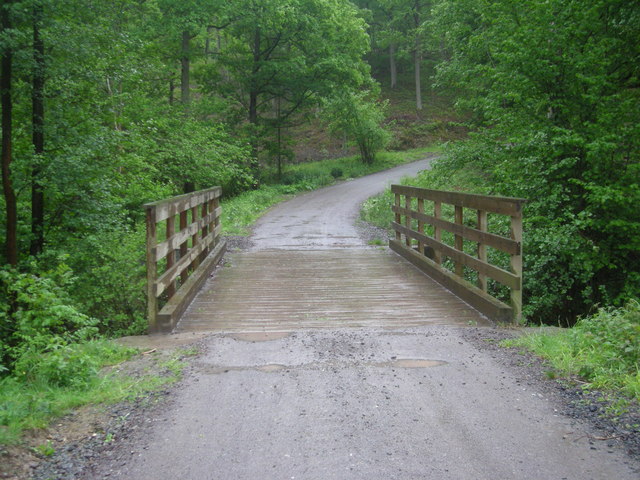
{"points": [[470, 244]]}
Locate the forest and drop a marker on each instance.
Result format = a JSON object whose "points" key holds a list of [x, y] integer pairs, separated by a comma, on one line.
{"points": [[107, 105]]}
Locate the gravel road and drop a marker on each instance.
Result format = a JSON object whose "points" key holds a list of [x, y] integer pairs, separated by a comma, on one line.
{"points": [[325, 218], [430, 402], [422, 403]]}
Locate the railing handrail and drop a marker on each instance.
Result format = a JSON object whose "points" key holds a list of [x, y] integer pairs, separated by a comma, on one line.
{"points": [[407, 238], [191, 252]]}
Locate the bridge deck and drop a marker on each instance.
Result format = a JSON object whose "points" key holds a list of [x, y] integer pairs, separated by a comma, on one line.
{"points": [[284, 290]]}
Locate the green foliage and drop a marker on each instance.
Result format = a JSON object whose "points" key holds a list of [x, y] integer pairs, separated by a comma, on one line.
{"points": [[558, 125], [240, 212], [603, 349], [45, 449], [111, 280], [37, 315], [360, 118], [278, 59]]}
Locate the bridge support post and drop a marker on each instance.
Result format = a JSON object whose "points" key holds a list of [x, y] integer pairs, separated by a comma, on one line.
{"points": [[516, 268]]}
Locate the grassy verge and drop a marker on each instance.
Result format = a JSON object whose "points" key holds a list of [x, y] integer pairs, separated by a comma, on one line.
{"points": [[238, 213], [33, 403], [603, 350]]}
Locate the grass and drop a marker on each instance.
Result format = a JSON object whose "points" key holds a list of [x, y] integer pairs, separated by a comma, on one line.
{"points": [[240, 212], [26, 405], [603, 350]]}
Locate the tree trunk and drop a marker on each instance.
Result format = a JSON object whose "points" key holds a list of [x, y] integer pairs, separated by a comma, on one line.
{"points": [[392, 66], [37, 122], [172, 87], [417, 57], [253, 100], [185, 88], [6, 64], [253, 94]]}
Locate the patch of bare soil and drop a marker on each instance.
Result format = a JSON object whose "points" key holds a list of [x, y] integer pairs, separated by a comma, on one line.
{"points": [[71, 443]]}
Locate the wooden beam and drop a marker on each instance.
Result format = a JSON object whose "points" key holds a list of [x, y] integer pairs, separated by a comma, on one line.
{"points": [[397, 217], [152, 269], [181, 266], [482, 249], [516, 268], [174, 242], [459, 241], [504, 205], [174, 206]]}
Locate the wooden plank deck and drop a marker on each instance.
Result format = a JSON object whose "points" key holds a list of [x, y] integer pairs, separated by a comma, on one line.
{"points": [[285, 290]]}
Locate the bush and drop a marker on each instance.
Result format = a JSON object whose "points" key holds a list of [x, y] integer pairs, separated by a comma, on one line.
{"points": [[336, 172], [360, 117], [59, 365], [112, 278], [37, 315]]}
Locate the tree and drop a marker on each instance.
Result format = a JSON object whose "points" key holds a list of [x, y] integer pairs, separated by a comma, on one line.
{"points": [[6, 95], [37, 123], [559, 125], [281, 56], [360, 117]]}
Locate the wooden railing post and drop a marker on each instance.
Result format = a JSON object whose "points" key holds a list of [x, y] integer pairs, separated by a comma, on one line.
{"points": [[184, 246], [482, 249], [437, 232], [421, 225], [214, 227], [398, 217], [516, 267], [205, 230], [459, 241], [152, 269], [407, 220], [171, 256], [195, 236]]}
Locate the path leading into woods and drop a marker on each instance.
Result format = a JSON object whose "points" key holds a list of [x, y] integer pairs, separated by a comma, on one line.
{"points": [[329, 359]]}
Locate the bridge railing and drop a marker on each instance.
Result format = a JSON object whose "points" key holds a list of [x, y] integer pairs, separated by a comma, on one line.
{"points": [[183, 247], [426, 236]]}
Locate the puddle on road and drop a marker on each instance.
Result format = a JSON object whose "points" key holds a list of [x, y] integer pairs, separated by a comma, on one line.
{"points": [[274, 367], [216, 370], [277, 367], [410, 363], [260, 336]]}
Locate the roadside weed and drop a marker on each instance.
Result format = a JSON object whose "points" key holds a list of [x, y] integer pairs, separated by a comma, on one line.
{"points": [[602, 349]]}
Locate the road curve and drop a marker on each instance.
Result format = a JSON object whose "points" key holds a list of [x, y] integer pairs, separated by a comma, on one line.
{"points": [[325, 218]]}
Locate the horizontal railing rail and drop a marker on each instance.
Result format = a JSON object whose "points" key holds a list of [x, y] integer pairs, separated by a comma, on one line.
{"points": [[180, 259], [430, 251]]}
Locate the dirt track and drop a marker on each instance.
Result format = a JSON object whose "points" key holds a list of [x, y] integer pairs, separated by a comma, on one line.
{"points": [[356, 403]]}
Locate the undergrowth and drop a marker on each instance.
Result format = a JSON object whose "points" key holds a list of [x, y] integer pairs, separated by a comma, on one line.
{"points": [[33, 401], [602, 349]]}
